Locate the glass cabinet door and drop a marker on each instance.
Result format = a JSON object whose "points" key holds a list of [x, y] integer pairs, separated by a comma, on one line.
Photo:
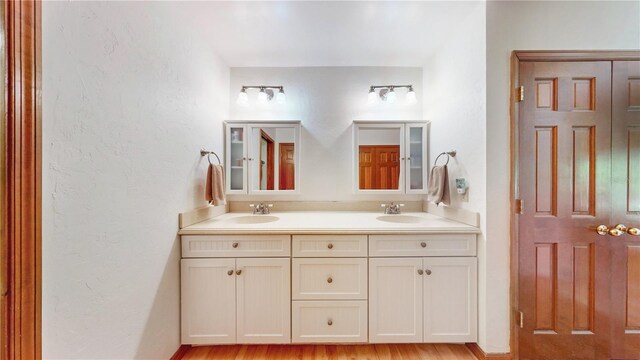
{"points": [[416, 160], [236, 159]]}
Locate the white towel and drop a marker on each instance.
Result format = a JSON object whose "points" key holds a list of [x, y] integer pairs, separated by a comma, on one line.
{"points": [[438, 188]]}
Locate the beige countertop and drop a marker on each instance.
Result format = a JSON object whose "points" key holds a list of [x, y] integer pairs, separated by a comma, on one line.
{"points": [[327, 222]]}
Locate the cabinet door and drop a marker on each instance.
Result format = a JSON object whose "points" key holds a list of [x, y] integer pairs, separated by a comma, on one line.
{"points": [[395, 300], [263, 300], [208, 304], [450, 299], [236, 159], [416, 158]]}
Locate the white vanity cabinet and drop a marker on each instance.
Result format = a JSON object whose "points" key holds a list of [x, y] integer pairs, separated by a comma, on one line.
{"points": [[422, 299], [235, 299]]}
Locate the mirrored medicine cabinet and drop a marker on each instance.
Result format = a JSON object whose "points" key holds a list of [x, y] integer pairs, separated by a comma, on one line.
{"points": [[262, 157], [390, 157]]}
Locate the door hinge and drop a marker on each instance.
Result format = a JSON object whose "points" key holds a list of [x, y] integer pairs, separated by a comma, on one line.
{"points": [[521, 93], [519, 206], [521, 319]]}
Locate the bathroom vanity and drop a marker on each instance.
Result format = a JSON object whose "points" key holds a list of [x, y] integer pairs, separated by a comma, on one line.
{"points": [[328, 277]]}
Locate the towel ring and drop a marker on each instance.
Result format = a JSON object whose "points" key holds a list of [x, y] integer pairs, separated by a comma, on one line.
{"points": [[449, 155], [204, 152]]}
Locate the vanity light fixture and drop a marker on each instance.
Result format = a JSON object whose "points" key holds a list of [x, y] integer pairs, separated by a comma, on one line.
{"points": [[388, 93], [265, 94]]}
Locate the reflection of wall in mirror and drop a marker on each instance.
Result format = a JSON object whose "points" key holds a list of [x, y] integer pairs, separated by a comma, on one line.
{"points": [[379, 136]]}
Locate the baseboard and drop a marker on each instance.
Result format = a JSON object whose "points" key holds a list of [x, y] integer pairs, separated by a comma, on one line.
{"points": [[182, 350], [481, 355]]}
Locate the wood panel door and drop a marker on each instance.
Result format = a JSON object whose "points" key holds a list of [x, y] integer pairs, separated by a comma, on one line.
{"points": [[379, 167], [625, 194], [564, 183], [263, 300], [287, 165]]}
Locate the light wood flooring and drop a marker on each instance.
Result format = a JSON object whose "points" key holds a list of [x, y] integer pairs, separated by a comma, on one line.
{"points": [[326, 352]]}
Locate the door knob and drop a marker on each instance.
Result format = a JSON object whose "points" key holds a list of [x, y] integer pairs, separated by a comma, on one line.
{"points": [[420, 272], [330, 246], [633, 231], [428, 272], [239, 271], [330, 322], [230, 272], [329, 280], [616, 231]]}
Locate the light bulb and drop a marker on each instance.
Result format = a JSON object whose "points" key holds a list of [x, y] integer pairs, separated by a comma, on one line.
{"points": [[262, 96], [411, 96], [391, 96], [281, 97], [372, 96], [243, 98]]}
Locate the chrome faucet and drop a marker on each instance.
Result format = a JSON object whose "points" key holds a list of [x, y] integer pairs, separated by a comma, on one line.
{"points": [[261, 208], [392, 208]]}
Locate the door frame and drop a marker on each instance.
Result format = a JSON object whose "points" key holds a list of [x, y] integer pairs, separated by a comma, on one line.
{"points": [[21, 181], [270, 160], [518, 56]]}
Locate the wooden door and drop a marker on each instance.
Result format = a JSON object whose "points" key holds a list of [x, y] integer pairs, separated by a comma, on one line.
{"points": [[263, 300], [625, 195], [395, 300], [287, 174], [266, 161], [450, 299], [208, 301], [387, 169], [564, 183], [366, 167]]}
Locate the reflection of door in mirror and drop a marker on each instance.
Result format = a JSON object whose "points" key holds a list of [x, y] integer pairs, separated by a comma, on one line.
{"points": [[266, 161], [287, 166], [379, 167]]}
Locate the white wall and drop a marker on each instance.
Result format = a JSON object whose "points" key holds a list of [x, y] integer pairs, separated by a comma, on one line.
{"points": [[130, 94], [326, 100], [532, 25], [455, 96]]}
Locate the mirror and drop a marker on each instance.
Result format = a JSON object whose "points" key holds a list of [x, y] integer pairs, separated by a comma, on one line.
{"points": [[378, 154], [272, 158]]}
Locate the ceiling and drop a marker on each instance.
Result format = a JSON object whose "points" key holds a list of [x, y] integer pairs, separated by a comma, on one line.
{"points": [[326, 33]]}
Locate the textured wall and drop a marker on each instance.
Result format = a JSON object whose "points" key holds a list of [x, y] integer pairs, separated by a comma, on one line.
{"points": [[327, 100], [130, 94]]}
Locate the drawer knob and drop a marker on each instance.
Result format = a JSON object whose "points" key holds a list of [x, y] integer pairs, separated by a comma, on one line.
{"points": [[329, 280], [235, 245], [239, 271], [230, 272], [330, 322], [330, 246], [423, 244], [420, 272], [428, 272]]}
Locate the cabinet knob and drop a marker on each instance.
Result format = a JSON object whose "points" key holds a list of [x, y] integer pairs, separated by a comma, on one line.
{"points": [[329, 280], [235, 245], [230, 272], [420, 272], [329, 322], [330, 246], [428, 272], [423, 244], [239, 271]]}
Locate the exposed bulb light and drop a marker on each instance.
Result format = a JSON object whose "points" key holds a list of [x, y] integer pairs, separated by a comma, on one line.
{"points": [[262, 96], [281, 97], [411, 96], [372, 96], [391, 96], [243, 98]]}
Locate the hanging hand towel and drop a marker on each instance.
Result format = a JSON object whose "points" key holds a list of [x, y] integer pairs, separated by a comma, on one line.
{"points": [[214, 187], [438, 189]]}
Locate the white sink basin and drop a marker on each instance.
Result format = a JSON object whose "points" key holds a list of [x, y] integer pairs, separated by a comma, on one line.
{"points": [[254, 219], [401, 219]]}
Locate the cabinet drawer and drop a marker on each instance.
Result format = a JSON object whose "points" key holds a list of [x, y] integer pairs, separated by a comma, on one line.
{"points": [[329, 321], [330, 245], [235, 246], [422, 245], [324, 278]]}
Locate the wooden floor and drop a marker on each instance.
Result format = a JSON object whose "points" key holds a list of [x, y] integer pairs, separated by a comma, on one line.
{"points": [[326, 352]]}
